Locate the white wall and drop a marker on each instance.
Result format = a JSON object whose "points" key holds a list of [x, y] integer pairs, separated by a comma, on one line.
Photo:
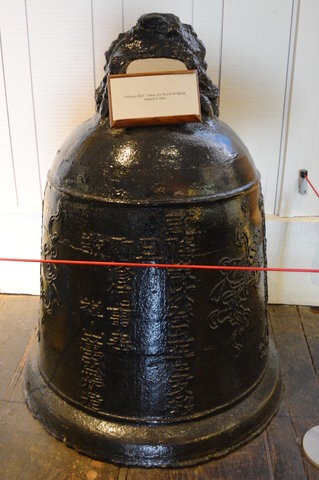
{"points": [[302, 148], [262, 53]]}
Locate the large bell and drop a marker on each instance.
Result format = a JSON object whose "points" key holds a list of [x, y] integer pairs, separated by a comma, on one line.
{"points": [[149, 366]]}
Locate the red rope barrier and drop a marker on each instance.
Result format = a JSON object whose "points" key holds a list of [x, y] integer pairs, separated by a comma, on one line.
{"points": [[313, 188], [160, 265]]}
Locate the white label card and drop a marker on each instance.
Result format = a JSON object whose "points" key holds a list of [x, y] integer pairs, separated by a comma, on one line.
{"points": [[154, 98]]}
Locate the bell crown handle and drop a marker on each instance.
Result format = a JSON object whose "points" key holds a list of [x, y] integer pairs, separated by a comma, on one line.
{"points": [[158, 35]]}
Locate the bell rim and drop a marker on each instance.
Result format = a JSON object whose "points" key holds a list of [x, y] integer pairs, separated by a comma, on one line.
{"points": [[154, 421], [160, 445]]}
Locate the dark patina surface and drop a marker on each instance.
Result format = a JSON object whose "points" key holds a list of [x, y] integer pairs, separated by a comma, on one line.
{"points": [[151, 366]]}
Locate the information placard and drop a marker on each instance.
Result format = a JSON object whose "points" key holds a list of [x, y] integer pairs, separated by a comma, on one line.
{"points": [[154, 98]]}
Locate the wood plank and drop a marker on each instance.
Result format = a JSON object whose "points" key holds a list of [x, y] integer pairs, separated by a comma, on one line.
{"points": [[249, 461], [309, 317], [302, 139], [20, 102], [203, 472], [312, 471], [27, 451], [254, 64], [133, 10], [61, 54], [285, 452], [18, 317], [300, 381], [299, 378]]}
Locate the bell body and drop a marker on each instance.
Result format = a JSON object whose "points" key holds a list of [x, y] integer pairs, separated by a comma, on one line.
{"points": [[153, 366]]}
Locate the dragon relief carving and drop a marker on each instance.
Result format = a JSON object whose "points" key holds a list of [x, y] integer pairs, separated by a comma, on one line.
{"points": [[230, 294], [263, 346], [49, 292]]}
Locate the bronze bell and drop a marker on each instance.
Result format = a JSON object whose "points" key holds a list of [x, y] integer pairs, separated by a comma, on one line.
{"points": [[149, 366]]}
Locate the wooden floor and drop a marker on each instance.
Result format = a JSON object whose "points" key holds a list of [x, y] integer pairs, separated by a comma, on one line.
{"points": [[27, 451]]}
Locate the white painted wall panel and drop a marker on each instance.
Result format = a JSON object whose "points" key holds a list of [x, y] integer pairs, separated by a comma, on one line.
{"points": [[133, 9], [20, 238], [293, 243], [62, 66], [207, 23], [107, 25], [254, 63], [7, 183], [302, 149], [67, 40], [20, 104]]}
